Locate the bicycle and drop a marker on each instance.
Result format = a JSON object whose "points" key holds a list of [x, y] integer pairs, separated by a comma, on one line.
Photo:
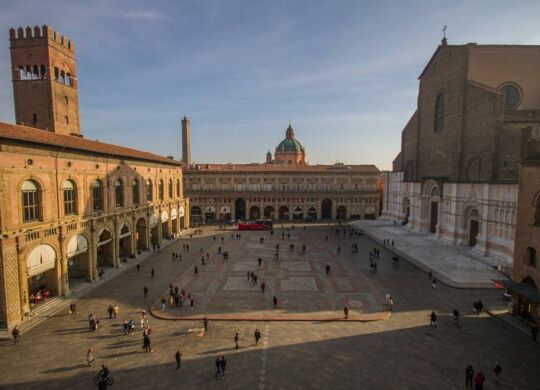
{"points": [[98, 378]]}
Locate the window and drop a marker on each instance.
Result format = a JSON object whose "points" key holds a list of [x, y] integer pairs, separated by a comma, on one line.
{"points": [[119, 193], [67, 120], [96, 196], [30, 201], [135, 191], [511, 96], [160, 190], [178, 191], [69, 197], [170, 189], [56, 74], [43, 72], [68, 79], [439, 112], [148, 190], [531, 256], [537, 211], [66, 100]]}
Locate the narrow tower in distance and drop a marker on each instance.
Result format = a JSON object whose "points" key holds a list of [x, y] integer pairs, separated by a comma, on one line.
{"points": [[186, 152], [44, 80]]}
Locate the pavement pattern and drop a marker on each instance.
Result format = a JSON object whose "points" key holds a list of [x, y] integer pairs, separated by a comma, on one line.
{"points": [[402, 352]]}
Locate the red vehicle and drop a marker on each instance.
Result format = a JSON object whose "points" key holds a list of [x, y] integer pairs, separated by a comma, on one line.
{"points": [[259, 224]]}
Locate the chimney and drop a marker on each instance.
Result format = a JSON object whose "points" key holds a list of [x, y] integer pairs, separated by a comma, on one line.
{"points": [[186, 152]]}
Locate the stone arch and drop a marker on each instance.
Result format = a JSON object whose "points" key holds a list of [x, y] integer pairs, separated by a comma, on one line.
{"points": [[431, 199], [283, 213], [269, 212], [406, 210], [41, 262], [140, 234], [105, 248], [298, 213], [254, 212], [239, 209], [78, 255], [472, 225], [196, 214], [326, 209], [125, 242], [341, 213]]}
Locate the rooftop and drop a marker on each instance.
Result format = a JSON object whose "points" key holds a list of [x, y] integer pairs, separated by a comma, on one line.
{"points": [[69, 142], [339, 167]]}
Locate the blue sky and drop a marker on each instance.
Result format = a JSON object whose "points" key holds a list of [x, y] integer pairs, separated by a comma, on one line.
{"points": [[343, 72]]}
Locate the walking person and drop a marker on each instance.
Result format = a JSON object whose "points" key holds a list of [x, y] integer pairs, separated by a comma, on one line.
{"points": [[479, 380], [163, 303], [152, 273], [177, 357], [433, 320], [138, 267], [346, 311], [497, 369], [90, 357], [263, 286], [257, 336], [469, 375], [16, 334], [223, 364], [196, 270], [145, 290], [72, 308], [218, 367], [236, 340], [192, 303], [205, 323], [274, 300]]}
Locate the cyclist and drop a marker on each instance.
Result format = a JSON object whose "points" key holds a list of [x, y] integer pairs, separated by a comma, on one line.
{"points": [[104, 372]]}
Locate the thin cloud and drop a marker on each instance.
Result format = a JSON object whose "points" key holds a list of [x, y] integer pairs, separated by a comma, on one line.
{"points": [[146, 15]]}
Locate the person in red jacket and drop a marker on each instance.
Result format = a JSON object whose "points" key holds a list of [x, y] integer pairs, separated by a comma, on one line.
{"points": [[479, 380]]}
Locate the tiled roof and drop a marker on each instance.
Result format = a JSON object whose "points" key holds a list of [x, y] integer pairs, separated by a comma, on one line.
{"points": [[43, 137], [278, 168]]}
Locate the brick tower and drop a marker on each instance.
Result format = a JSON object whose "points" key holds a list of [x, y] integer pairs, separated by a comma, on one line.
{"points": [[44, 80], [186, 148]]}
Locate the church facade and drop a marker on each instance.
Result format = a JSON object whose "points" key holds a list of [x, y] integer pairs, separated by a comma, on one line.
{"points": [[283, 188], [456, 175], [70, 207]]}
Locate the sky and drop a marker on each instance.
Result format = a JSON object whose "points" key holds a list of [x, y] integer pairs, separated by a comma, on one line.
{"points": [[344, 73]]}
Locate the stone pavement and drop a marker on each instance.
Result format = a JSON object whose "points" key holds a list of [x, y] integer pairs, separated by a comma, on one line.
{"points": [[222, 290], [452, 265], [402, 352]]}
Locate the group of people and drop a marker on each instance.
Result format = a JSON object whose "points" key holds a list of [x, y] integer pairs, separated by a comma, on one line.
{"points": [[478, 378]]}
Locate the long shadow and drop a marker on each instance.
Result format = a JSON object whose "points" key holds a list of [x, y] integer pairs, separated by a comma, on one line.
{"points": [[416, 358], [71, 331]]}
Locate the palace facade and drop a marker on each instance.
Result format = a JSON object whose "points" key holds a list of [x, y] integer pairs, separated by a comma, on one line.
{"points": [[456, 176], [285, 187], [70, 206]]}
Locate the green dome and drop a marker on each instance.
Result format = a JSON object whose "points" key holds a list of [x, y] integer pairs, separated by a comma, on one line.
{"points": [[290, 144]]}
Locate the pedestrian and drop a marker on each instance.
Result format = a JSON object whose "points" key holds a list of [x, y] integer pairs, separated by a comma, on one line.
{"points": [[257, 336], [433, 319], [455, 319], [16, 334], [110, 311], [90, 357], [430, 275], [259, 260], [218, 367], [479, 380], [236, 340], [192, 303], [346, 311], [275, 302], [434, 283], [196, 270], [116, 310], [205, 322], [152, 273], [339, 249], [254, 280], [248, 275], [390, 303], [469, 375], [163, 303], [147, 345], [145, 290], [327, 269], [223, 364], [263, 286], [138, 267], [72, 308], [497, 369], [177, 357], [534, 332]]}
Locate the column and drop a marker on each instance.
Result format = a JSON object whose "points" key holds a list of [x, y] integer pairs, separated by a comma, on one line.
{"points": [[64, 268], [23, 282]]}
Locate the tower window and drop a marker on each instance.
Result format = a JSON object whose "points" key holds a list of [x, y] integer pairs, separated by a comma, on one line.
{"points": [[43, 72], [62, 77], [56, 74], [531, 256], [68, 79], [67, 120], [511, 96], [66, 99], [439, 112]]}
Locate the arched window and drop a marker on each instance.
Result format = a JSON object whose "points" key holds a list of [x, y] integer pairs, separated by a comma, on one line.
{"points": [[68, 79], [148, 190], [30, 201], [439, 112], [70, 197], [43, 72], [97, 201], [28, 72], [62, 77], [119, 193], [56, 74], [160, 190], [537, 211], [178, 194], [35, 72], [135, 191], [22, 73], [170, 189]]}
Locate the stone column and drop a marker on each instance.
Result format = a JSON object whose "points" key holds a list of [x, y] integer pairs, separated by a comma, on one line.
{"points": [[116, 244], [64, 267], [9, 257]]}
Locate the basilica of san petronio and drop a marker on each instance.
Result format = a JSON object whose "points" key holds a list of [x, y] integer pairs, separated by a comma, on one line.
{"points": [[105, 249]]}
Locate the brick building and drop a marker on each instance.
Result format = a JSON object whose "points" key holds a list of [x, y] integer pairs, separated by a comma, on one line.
{"points": [[70, 206], [457, 172], [282, 188]]}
